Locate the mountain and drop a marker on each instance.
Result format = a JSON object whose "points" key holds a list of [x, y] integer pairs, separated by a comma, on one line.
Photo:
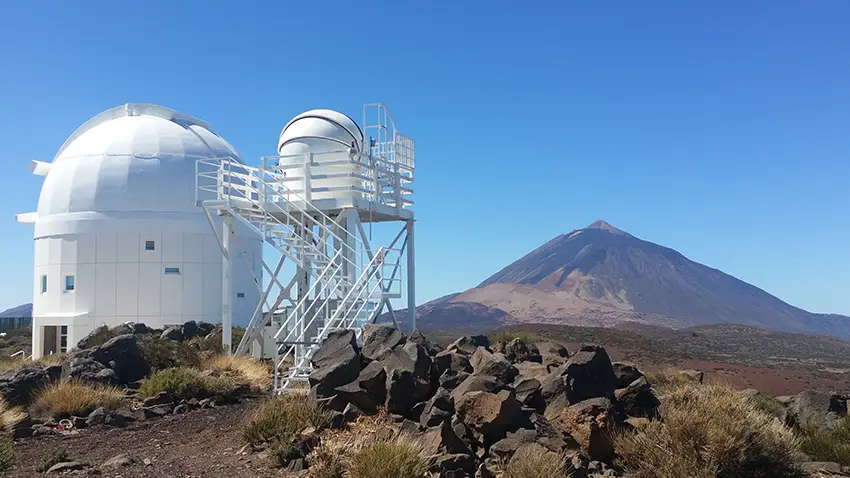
{"points": [[603, 276], [19, 311]]}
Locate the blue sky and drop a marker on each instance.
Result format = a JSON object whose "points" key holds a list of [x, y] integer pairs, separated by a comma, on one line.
{"points": [[720, 129]]}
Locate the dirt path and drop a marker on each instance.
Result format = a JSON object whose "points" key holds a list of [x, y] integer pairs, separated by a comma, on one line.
{"points": [[201, 443]]}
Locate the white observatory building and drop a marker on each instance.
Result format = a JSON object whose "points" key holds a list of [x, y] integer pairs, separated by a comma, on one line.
{"points": [[120, 236]]}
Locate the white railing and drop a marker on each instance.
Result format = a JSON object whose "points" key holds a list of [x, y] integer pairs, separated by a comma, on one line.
{"points": [[373, 291]]}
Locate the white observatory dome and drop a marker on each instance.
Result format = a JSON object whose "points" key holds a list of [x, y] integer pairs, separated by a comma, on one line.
{"points": [[318, 131], [138, 158], [327, 135], [119, 236]]}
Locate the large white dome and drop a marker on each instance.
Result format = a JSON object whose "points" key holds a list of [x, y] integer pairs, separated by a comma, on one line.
{"points": [[129, 159]]}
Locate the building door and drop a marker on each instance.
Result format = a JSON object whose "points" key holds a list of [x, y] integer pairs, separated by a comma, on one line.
{"points": [[51, 340]]}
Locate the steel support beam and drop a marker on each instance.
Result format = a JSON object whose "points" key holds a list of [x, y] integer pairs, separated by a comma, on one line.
{"points": [[411, 277]]}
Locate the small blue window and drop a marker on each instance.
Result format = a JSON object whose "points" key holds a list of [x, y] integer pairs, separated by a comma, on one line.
{"points": [[150, 245], [240, 295], [69, 283], [43, 284], [172, 270]]}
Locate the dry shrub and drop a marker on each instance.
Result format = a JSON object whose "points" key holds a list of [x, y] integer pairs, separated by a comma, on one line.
{"points": [[709, 431], [10, 364], [280, 418], [185, 383], [667, 380], [50, 458], [535, 461], [8, 456], [373, 446], [63, 399], [326, 463], [9, 416], [401, 457], [830, 443], [163, 354], [243, 369], [768, 405]]}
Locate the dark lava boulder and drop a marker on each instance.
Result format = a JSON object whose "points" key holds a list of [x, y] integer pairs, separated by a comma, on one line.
{"points": [[379, 340], [18, 387]]}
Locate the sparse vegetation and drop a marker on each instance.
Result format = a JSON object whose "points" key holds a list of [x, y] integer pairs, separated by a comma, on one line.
{"points": [[63, 399], [9, 416], [709, 432], [184, 383], [535, 461], [398, 458], [8, 456], [768, 405], [163, 354], [9, 364], [100, 336], [242, 369], [279, 419], [668, 380], [827, 443], [506, 335], [50, 458], [325, 463]]}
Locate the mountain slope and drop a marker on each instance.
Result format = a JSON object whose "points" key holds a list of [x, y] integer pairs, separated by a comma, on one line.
{"points": [[19, 311], [601, 275]]}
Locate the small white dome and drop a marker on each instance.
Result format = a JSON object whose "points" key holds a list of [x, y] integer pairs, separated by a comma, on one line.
{"points": [[132, 158], [319, 131]]}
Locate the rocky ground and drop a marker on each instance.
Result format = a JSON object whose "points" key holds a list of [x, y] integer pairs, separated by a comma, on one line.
{"points": [[472, 407], [201, 443]]}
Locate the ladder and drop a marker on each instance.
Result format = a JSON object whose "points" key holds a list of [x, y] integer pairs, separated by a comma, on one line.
{"points": [[346, 287]]}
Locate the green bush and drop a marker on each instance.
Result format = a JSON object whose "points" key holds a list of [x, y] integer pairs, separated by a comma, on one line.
{"points": [[50, 458], [768, 405], [8, 456], [393, 459], [185, 383], [163, 354], [827, 444], [279, 419]]}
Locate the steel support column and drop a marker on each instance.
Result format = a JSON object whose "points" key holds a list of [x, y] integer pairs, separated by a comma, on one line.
{"points": [[411, 277], [227, 285]]}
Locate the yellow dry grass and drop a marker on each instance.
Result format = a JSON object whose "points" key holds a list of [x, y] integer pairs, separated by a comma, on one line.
{"points": [[252, 372], [371, 446], [10, 364], [709, 431], [9, 416], [73, 398]]}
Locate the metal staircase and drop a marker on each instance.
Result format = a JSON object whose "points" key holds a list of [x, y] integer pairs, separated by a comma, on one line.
{"points": [[343, 284]]}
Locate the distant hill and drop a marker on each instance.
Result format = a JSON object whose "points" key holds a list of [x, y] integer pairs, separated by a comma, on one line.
{"points": [[602, 276], [19, 311]]}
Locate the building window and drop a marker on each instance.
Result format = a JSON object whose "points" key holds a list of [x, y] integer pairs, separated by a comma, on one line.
{"points": [[63, 339], [69, 283], [240, 295], [172, 270], [150, 245], [43, 284]]}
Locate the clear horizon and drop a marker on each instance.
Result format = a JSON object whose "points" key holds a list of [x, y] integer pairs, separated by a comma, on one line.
{"points": [[720, 131]]}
